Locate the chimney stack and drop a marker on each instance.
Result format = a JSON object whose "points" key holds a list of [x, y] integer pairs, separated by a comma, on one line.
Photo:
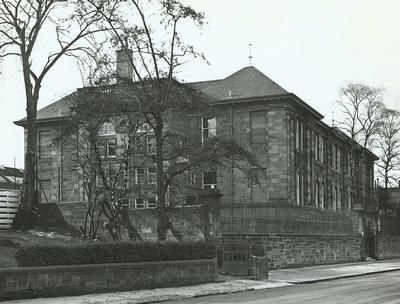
{"points": [[124, 65]]}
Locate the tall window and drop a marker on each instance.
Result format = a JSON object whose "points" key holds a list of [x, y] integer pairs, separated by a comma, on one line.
{"points": [[151, 175], [299, 134], [258, 127], [140, 176], [208, 127], [317, 194], [299, 189], [107, 141], [316, 146], [151, 145], [334, 198], [334, 156], [44, 149], [210, 180]]}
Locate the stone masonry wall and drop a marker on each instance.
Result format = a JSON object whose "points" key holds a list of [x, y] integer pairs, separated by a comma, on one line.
{"points": [[287, 252], [187, 221], [271, 155], [298, 251], [48, 281], [388, 246]]}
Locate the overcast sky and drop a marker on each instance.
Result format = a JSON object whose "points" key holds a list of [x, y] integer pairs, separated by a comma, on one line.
{"points": [[309, 47]]}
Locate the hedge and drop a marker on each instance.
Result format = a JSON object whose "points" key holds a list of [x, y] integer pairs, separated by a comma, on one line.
{"points": [[112, 252]]}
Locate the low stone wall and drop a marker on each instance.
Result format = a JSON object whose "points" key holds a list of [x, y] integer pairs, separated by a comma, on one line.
{"points": [[48, 281], [288, 251], [387, 246]]}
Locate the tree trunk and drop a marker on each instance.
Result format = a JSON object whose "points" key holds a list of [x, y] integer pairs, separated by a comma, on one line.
{"points": [[163, 219], [25, 218]]}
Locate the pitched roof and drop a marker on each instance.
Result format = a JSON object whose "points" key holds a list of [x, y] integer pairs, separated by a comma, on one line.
{"points": [[56, 110], [247, 82]]}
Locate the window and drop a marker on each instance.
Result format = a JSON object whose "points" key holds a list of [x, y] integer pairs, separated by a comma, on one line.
{"points": [[146, 175], [110, 147], [106, 129], [145, 202], [257, 127], [299, 135], [125, 201], [334, 156], [107, 142], [317, 194], [107, 147], [144, 128], [44, 144], [322, 190], [140, 176], [151, 202], [322, 149], [151, 145], [151, 175], [191, 178], [316, 146], [299, 189], [139, 203], [208, 127], [334, 198], [210, 180]]}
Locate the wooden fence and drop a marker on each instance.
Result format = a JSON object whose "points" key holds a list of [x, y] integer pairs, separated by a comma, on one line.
{"points": [[9, 205]]}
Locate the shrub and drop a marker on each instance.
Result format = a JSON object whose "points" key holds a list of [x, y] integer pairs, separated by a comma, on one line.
{"points": [[112, 252]]}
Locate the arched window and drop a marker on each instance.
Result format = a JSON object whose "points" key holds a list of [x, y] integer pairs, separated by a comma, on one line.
{"points": [[107, 141]]}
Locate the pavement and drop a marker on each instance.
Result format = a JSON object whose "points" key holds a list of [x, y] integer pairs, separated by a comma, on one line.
{"points": [[230, 284]]}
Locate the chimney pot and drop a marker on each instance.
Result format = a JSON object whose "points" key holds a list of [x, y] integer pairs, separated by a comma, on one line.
{"points": [[124, 64]]}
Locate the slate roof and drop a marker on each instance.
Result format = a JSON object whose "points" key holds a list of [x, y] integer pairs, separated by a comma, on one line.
{"points": [[57, 110], [246, 83]]}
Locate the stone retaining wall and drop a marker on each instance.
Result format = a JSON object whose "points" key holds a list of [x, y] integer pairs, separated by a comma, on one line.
{"points": [[187, 221], [288, 251], [48, 281], [387, 246]]}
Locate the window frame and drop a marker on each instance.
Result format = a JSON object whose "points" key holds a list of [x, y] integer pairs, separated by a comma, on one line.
{"points": [[209, 185], [208, 128]]}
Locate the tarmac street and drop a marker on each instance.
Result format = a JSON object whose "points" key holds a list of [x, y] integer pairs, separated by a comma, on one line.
{"points": [[383, 288]]}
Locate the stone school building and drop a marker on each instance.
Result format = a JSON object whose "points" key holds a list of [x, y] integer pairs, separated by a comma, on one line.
{"points": [[303, 210]]}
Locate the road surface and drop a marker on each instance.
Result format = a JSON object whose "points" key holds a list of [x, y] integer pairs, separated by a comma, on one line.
{"points": [[374, 289]]}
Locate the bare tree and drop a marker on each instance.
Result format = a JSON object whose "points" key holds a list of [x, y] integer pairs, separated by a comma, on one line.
{"points": [[21, 25], [154, 63], [389, 148], [105, 178], [362, 108]]}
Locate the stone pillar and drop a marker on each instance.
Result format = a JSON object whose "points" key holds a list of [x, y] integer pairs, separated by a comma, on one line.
{"points": [[210, 200]]}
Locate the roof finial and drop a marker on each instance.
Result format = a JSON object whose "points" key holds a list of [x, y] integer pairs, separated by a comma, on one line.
{"points": [[250, 57], [333, 115]]}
